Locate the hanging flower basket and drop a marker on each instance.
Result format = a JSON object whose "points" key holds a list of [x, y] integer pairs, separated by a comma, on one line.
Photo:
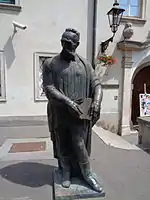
{"points": [[106, 60]]}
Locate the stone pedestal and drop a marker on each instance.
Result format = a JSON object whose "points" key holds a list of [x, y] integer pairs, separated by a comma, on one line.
{"points": [[77, 190], [144, 132]]}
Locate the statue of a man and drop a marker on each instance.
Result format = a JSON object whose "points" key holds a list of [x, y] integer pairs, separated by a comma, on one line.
{"points": [[68, 81]]}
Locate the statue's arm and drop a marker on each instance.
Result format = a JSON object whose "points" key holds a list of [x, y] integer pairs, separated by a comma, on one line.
{"points": [[50, 90], [97, 94], [48, 84], [96, 87]]}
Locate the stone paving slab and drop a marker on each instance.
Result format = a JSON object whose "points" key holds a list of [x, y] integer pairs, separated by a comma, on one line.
{"points": [[5, 154], [28, 147]]}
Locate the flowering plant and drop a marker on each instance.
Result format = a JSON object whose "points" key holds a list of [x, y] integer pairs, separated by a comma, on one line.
{"points": [[107, 60]]}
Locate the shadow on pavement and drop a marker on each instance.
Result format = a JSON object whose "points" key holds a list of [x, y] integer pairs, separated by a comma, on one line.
{"points": [[28, 173]]}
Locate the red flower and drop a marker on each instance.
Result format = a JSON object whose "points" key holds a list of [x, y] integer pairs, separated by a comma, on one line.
{"points": [[107, 60]]}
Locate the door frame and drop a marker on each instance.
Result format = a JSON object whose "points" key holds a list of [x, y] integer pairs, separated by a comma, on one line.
{"points": [[135, 72]]}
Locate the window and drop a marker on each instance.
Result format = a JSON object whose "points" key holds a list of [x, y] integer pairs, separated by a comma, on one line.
{"points": [[39, 59], [13, 5], [2, 78], [8, 1], [132, 7]]}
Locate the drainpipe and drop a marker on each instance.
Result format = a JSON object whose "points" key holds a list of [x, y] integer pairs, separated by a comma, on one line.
{"points": [[94, 32]]}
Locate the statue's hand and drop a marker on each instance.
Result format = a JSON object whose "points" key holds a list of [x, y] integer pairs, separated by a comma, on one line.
{"points": [[95, 111], [74, 109]]}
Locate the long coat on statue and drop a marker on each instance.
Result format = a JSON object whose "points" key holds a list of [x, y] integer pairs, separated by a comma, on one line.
{"points": [[85, 88]]}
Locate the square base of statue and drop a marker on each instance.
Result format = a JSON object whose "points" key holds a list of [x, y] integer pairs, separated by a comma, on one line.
{"points": [[77, 190]]}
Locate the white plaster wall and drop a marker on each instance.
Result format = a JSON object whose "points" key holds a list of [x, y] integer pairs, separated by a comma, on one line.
{"points": [[110, 111], [46, 20]]}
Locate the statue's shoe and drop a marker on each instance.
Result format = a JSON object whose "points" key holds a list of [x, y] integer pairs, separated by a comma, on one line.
{"points": [[93, 183], [66, 183], [66, 179]]}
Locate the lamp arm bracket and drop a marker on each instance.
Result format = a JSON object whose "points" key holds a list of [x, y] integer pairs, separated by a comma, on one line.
{"points": [[105, 44]]}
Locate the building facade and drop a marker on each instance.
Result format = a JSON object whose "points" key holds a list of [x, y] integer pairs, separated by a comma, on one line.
{"points": [[22, 52]]}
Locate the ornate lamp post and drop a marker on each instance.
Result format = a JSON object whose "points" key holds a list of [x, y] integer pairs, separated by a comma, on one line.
{"points": [[114, 17]]}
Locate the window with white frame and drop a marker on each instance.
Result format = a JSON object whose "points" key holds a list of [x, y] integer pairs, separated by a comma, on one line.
{"points": [[10, 4], [2, 77], [132, 7], [39, 59], [7, 1]]}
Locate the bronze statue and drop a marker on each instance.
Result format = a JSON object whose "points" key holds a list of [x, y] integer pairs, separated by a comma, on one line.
{"points": [[74, 100]]}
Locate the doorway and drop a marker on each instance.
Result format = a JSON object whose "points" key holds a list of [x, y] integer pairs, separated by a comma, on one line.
{"points": [[142, 77]]}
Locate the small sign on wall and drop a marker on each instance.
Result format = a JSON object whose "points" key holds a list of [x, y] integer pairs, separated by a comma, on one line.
{"points": [[144, 104]]}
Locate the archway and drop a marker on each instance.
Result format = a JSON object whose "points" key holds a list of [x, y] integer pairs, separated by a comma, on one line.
{"points": [[141, 77]]}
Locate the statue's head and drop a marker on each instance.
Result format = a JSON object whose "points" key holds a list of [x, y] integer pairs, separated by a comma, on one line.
{"points": [[70, 40]]}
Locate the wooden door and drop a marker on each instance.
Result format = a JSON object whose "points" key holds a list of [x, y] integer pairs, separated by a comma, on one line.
{"points": [[141, 78]]}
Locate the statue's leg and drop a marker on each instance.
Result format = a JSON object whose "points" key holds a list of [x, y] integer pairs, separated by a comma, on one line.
{"points": [[64, 155], [78, 133]]}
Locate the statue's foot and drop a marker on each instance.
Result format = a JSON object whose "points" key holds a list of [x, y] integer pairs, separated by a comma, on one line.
{"points": [[93, 183], [89, 178], [66, 183], [66, 180]]}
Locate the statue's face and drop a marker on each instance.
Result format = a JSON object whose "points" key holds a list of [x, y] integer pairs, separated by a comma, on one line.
{"points": [[70, 42]]}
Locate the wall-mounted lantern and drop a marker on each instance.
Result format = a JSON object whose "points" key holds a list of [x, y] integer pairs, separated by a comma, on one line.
{"points": [[114, 17]]}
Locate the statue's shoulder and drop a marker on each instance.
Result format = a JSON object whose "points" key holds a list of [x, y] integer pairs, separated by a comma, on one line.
{"points": [[85, 61], [49, 62]]}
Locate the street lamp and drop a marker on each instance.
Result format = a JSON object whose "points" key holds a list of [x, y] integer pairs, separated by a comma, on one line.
{"points": [[114, 17]]}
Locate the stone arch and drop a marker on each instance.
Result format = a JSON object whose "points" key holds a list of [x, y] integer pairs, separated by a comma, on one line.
{"points": [[142, 64]]}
